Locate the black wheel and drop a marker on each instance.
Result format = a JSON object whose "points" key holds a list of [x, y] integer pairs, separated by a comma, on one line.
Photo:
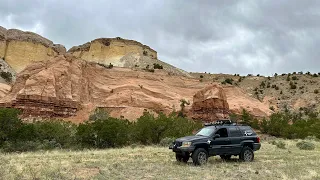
{"points": [[200, 156], [182, 158], [246, 154], [225, 157]]}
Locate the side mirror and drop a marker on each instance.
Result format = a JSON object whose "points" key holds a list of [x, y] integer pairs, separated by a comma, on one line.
{"points": [[216, 136]]}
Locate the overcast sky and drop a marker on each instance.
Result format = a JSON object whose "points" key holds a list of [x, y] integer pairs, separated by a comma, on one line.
{"points": [[217, 36]]}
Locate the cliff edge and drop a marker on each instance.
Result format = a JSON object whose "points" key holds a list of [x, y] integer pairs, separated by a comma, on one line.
{"points": [[20, 49]]}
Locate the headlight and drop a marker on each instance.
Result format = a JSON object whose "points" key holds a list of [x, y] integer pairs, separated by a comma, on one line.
{"points": [[186, 144]]}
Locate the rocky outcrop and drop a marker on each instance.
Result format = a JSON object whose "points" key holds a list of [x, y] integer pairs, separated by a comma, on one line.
{"points": [[111, 50], [71, 88], [67, 87], [19, 49], [210, 104]]}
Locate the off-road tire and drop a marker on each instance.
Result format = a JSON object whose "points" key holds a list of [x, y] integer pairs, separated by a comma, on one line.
{"points": [[200, 157], [246, 154], [181, 158], [225, 157]]}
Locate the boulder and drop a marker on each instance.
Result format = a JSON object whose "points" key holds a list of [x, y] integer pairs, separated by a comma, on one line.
{"points": [[210, 104]]}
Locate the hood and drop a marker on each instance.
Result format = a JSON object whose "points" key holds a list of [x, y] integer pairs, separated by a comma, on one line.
{"points": [[191, 138]]}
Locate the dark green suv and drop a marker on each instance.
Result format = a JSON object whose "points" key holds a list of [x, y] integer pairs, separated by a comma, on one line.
{"points": [[221, 139]]}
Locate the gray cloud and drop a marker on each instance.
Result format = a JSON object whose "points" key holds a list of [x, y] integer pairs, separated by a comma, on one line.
{"points": [[203, 36]]}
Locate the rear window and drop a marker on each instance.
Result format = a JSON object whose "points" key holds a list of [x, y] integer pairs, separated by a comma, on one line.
{"points": [[247, 131], [234, 132]]}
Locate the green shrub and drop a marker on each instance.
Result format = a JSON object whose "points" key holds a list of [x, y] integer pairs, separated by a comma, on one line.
{"points": [[305, 145], [165, 142], [150, 130], [145, 53], [104, 133], [271, 108], [99, 114], [294, 78], [288, 78], [7, 76], [293, 86], [58, 131], [9, 124], [228, 80], [157, 66], [23, 146], [315, 75], [201, 76], [279, 144], [316, 91]]}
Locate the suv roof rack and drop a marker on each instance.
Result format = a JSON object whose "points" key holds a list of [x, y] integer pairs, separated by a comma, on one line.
{"points": [[224, 122]]}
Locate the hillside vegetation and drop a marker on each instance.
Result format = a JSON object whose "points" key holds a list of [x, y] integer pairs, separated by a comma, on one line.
{"points": [[288, 91]]}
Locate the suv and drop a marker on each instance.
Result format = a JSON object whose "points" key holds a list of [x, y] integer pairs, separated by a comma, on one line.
{"points": [[223, 138]]}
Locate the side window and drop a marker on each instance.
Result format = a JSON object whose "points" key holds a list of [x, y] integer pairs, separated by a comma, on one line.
{"points": [[246, 131], [222, 132], [234, 132]]}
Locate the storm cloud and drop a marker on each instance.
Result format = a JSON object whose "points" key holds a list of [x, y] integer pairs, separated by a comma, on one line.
{"points": [[214, 36]]}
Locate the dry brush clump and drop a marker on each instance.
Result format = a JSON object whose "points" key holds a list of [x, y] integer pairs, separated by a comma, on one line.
{"points": [[305, 145]]}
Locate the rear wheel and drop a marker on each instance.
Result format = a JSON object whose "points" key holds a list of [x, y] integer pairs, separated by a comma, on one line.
{"points": [[225, 157], [200, 156], [182, 158], [247, 154]]}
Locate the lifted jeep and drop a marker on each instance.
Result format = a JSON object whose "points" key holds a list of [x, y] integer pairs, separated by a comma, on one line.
{"points": [[221, 138]]}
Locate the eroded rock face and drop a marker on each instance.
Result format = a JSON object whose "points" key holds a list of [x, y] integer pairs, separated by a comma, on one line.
{"points": [[210, 104], [19, 49], [111, 50], [47, 91], [72, 88], [68, 87]]}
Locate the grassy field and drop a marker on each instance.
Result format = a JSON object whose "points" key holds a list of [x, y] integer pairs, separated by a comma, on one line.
{"points": [[159, 163]]}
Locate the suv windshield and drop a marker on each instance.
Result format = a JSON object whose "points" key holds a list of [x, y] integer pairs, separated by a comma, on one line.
{"points": [[207, 131]]}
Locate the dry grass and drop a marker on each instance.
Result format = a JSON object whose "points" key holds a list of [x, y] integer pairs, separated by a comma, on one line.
{"points": [[159, 163]]}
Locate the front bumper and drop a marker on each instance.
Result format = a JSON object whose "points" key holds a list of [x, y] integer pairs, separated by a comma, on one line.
{"points": [[181, 149], [256, 146]]}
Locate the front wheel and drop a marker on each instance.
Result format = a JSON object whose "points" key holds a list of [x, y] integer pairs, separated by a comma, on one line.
{"points": [[246, 154], [200, 156], [182, 158]]}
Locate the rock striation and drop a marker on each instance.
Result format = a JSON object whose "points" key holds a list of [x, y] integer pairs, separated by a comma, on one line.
{"points": [[19, 49]]}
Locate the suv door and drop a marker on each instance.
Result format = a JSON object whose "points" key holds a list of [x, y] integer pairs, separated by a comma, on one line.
{"points": [[221, 144], [235, 140]]}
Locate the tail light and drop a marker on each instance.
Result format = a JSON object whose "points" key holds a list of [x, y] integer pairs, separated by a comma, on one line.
{"points": [[258, 139]]}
